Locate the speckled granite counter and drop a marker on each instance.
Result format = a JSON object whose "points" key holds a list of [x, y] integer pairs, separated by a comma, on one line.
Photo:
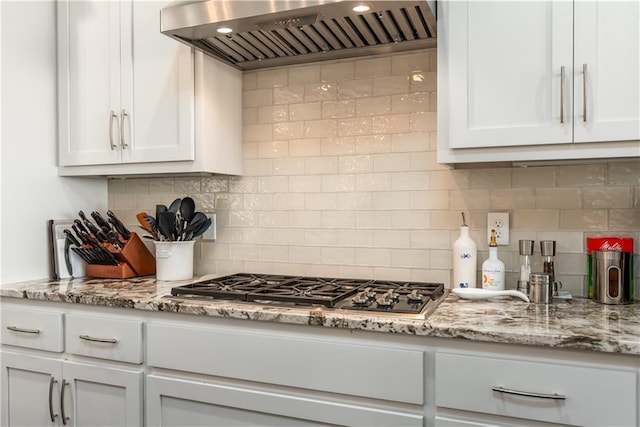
{"points": [[572, 324]]}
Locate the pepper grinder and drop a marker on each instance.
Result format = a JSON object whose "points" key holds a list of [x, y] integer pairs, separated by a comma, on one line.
{"points": [[526, 250], [548, 251]]}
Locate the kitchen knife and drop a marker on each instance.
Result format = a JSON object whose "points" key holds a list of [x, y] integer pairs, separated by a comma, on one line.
{"points": [[102, 223], [88, 224], [119, 226]]}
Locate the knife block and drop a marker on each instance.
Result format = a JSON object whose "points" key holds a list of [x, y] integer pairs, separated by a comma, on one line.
{"points": [[134, 259]]}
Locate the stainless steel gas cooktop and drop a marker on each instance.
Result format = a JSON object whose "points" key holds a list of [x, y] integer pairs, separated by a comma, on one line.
{"points": [[397, 298]]}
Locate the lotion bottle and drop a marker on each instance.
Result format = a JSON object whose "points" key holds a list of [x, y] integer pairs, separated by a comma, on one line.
{"points": [[493, 268], [465, 253]]}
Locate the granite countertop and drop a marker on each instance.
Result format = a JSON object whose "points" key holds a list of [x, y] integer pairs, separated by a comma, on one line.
{"points": [[573, 324]]}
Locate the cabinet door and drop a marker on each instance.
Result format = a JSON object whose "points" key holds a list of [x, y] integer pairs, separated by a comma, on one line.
{"points": [[174, 402], [30, 390], [88, 82], [157, 89], [607, 47], [505, 80], [101, 396]]}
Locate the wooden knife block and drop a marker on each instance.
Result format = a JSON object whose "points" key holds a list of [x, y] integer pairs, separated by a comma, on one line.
{"points": [[134, 259]]}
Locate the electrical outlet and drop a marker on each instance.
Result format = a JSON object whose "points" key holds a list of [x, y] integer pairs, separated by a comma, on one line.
{"points": [[210, 234], [498, 221]]}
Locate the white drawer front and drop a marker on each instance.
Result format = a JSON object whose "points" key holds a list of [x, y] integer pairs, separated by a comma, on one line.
{"points": [[104, 338], [41, 330], [357, 370], [594, 397]]}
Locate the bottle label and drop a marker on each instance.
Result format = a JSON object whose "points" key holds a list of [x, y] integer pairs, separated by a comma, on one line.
{"points": [[491, 279], [466, 255], [463, 284]]}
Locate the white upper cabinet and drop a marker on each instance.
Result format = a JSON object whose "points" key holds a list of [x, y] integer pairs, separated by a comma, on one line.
{"points": [[129, 96], [607, 46], [126, 91], [511, 80]]}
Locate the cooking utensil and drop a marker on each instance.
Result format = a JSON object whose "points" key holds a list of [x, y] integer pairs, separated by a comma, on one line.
{"points": [[167, 224], [175, 206], [194, 225], [187, 208], [68, 241], [478, 294], [160, 208], [204, 227], [101, 222]]}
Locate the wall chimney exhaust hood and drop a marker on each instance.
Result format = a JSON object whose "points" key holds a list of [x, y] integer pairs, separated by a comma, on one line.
{"points": [[268, 33]]}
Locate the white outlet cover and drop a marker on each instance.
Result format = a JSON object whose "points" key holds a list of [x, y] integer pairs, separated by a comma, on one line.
{"points": [[498, 221], [211, 232]]}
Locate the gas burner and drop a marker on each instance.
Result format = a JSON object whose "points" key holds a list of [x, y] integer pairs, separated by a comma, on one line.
{"points": [[415, 297], [389, 297]]}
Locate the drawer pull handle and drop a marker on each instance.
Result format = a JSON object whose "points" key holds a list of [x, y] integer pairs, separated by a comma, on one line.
{"points": [[553, 396], [64, 416], [23, 330], [53, 416], [94, 339]]}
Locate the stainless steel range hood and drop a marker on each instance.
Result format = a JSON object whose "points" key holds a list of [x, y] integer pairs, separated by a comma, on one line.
{"points": [[270, 33]]}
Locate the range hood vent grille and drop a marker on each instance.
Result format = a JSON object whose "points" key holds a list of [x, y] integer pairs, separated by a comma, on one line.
{"points": [[322, 32]]}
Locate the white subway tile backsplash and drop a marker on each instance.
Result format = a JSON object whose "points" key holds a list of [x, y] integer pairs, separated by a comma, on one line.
{"points": [[338, 71], [607, 197], [320, 165], [288, 201], [373, 68], [373, 106], [305, 111], [354, 126], [585, 219], [373, 182], [373, 257], [410, 180], [391, 124], [581, 176], [341, 179], [338, 109], [320, 128], [355, 89], [305, 147], [338, 219], [289, 130], [273, 184], [287, 95], [320, 92], [338, 183], [304, 74], [289, 165], [273, 114], [393, 85], [373, 144], [355, 164]]}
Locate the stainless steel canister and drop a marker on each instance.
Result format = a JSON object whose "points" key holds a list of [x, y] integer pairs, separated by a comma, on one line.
{"points": [[611, 272], [541, 288]]}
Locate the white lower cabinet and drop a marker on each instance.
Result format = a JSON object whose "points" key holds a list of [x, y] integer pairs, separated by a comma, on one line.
{"points": [[42, 391], [180, 402], [579, 394]]}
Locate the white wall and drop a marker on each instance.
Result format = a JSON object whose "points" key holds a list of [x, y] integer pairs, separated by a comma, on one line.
{"points": [[31, 191]]}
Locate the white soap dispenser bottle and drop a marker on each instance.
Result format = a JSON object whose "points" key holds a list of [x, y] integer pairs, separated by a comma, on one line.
{"points": [[493, 268], [465, 254]]}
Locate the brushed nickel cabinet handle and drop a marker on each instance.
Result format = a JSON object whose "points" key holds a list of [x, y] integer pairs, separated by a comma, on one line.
{"points": [[64, 416], [584, 93], [553, 396], [94, 339], [23, 330], [53, 416], [112, 115], [123, 114], [562, 94]]}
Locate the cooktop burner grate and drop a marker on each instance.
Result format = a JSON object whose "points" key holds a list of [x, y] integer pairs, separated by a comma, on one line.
{"points": [[346, 294]]}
